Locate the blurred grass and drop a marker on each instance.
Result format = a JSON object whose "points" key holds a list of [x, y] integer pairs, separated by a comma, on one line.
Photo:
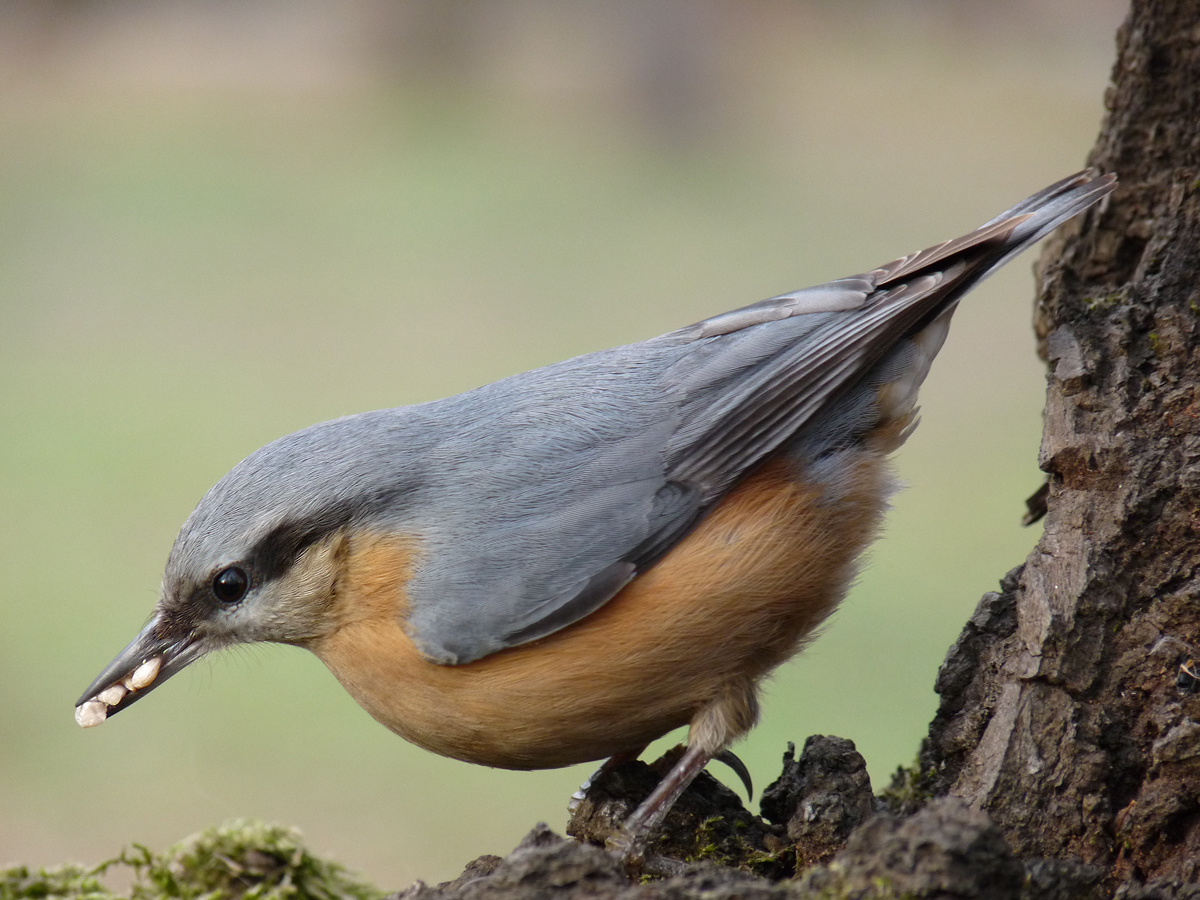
{"points": [[184, 278]]}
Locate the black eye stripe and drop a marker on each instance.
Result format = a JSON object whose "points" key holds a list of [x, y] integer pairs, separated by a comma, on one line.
{"points": [[229, 585], [275, 553]]}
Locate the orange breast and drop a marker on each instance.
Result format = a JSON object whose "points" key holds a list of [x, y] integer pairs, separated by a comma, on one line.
{"points": [[733, 600]]}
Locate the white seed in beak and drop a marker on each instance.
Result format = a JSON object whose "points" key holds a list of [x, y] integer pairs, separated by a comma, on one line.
{"points": [[111, 696], [90, 714], [144, 674]]}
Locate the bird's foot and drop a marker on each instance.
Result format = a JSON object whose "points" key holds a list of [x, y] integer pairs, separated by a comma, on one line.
{"points": [[630, 841], [607, 766]]}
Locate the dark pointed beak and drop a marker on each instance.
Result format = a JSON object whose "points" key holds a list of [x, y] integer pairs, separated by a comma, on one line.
{"points": [[150, 659]]}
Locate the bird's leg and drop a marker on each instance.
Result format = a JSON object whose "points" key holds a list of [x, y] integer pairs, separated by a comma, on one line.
{"points": [[713, 728], [608, 765], [630, 842]]}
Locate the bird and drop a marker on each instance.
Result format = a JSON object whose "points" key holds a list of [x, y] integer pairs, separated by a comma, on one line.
{"points": [[567, 564]]}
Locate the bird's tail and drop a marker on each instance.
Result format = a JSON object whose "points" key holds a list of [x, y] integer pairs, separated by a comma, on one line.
{"points": [[1009, 233]]}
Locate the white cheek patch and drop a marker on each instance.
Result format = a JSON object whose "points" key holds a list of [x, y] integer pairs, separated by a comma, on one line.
{"points": [[94, 712]]}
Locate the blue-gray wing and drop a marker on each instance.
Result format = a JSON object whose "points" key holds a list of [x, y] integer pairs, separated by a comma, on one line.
{"points": [[556, 487]]}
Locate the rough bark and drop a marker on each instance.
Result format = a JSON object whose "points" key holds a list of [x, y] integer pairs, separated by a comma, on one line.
{"points": [[1068, 711], [820, 798], [708, 824], [945, 851]]}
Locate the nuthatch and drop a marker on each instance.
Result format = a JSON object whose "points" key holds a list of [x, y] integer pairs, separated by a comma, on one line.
{"points": [[569, 563]]}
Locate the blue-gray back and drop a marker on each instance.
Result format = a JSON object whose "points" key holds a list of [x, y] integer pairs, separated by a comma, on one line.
{"points": [[537, 498]]}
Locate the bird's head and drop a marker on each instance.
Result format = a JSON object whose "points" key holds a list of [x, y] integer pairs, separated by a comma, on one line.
{"points": [[258, 560]]}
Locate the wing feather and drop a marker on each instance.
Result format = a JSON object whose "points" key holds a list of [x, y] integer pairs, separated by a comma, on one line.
{"points": [[630, 448]]}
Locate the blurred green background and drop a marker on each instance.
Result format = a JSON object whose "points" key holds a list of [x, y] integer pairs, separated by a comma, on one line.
{"points": [[221, 222]]}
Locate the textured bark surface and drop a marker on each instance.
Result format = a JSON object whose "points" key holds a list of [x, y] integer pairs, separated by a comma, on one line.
{"points": [[1068, 712], [708, 824], [808, 812], [820, 798], [945, 851]]}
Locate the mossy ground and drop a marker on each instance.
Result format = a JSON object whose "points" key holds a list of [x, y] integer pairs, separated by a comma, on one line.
{"points": [[237, 861], [909, 790]]}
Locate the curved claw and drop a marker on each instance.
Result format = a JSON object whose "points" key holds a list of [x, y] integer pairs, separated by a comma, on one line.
{"points": [[739, 768]]}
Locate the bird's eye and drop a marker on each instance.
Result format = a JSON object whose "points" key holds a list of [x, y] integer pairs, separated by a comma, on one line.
{"points": [[230, 584]]}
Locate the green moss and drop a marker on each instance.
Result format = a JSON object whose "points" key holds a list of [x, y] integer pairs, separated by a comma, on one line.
{"points": [[760, 858], [708, 843], [67, 882], [909, 791], [236, 861], [880, 889], [1156, 344], [1100, 303], [726, 841]]}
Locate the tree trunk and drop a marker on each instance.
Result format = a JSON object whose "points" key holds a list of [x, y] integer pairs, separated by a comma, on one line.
{"points": [[1069, 711]]}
